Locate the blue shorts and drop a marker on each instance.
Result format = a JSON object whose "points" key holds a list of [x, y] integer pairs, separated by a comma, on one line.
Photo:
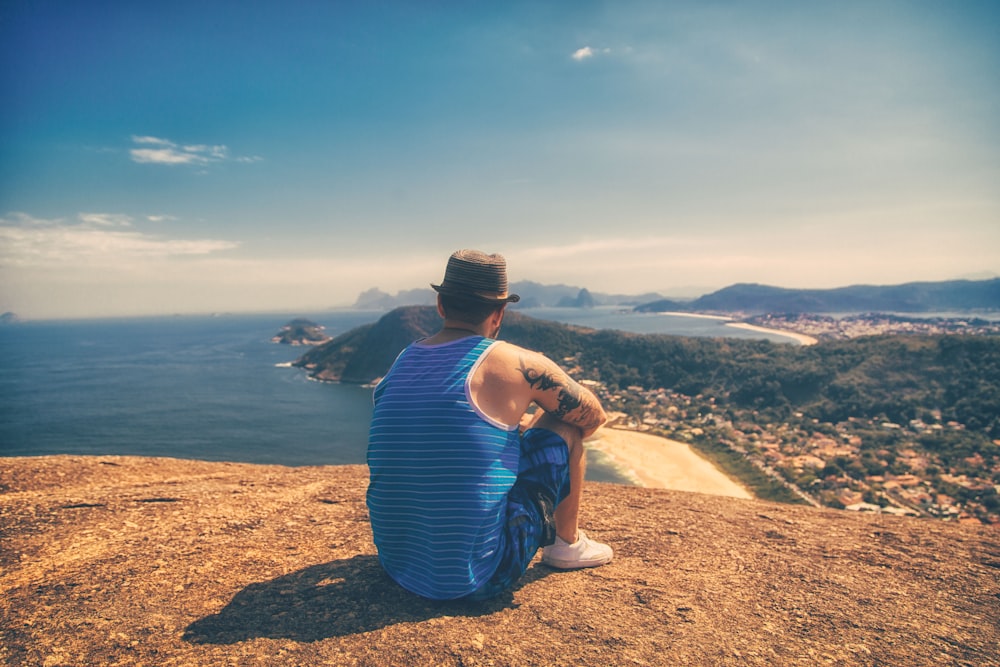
{"points": [[542, 483]]}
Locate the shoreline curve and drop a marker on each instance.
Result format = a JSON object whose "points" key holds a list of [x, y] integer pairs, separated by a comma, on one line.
{"points": [[655, 462], [802, 339]]}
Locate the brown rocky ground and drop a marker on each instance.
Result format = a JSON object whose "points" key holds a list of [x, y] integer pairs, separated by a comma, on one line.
{"points": [[132, 561]]}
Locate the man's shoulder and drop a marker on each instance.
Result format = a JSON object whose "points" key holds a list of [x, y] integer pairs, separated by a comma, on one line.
{"points": [[511, 356], [510, 350]]}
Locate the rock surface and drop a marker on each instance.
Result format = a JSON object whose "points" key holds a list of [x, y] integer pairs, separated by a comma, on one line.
{"points": [[136, 561]]}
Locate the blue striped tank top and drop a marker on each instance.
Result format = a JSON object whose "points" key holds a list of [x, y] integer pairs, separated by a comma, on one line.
{"points": [[440, 472]]}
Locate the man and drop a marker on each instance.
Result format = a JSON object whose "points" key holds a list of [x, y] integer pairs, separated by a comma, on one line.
{"points": [[460, 499]]}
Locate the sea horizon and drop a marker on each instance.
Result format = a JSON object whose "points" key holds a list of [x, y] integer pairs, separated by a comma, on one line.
{"points": [[198, 387], [597, 317], [216, 388]]}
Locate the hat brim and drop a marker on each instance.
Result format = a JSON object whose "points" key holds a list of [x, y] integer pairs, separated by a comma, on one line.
{"points": [[478, 296]]}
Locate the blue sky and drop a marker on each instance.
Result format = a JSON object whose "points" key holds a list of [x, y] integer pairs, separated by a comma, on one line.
{"points": [[258, 156]]}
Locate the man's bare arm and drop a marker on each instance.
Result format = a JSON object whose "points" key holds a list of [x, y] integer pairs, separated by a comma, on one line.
{"points": [[560, 395]]}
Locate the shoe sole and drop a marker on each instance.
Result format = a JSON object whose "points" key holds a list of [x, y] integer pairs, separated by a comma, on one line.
{"points": [[575, 564]]}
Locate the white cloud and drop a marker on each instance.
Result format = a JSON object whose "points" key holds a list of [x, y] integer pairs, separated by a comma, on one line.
{"points": [[155, 150], [156, 141], [19, 219], [207, 283], [164, 156], [588, 52], [805, 249], [106, 219], [98, 239], [592, 249], [218, 152]]}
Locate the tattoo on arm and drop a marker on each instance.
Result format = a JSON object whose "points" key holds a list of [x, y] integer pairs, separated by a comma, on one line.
{"points": [[540, 379], [569, 393]]}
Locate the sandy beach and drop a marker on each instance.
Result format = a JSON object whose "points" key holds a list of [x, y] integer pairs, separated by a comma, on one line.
{"points": [[801, 338], [659, 463]]}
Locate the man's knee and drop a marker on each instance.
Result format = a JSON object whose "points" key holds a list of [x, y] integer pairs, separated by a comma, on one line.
{"points": [[571, 434]]}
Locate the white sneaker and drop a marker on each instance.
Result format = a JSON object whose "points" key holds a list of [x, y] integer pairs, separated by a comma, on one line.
{"points": [[585, 552]]}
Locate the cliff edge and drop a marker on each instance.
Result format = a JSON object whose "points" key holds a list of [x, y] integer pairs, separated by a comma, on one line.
{"points": [[138, 561]]}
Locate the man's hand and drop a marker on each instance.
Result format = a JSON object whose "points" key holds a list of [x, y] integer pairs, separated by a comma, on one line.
{"points": [[528, 420]]}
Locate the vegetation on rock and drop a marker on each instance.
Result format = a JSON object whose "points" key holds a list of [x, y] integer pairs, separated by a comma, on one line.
{"points": [[895, 405]]}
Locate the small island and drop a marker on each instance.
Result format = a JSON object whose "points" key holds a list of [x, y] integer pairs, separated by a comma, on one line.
{"points": [[301, 331]]}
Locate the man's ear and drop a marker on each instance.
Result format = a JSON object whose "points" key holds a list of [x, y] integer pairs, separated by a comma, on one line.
{"points": [[440, 308], [496, 319]]}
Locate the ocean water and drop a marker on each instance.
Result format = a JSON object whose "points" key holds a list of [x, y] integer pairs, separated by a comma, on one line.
{"points": [[187, 387], [649, 323], [210, 388]]}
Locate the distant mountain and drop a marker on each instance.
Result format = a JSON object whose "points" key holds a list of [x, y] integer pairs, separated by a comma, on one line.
{"points": [[376, 299], [533, 295], [922, 297], [583, 300], [917, 297], [537, 295]]}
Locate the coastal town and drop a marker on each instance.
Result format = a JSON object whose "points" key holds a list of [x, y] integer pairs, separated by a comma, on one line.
{"points": [[926, 467], [828, 327], [929, 464], [827, 464]]}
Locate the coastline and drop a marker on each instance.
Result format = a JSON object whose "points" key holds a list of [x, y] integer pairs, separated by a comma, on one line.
{"points": [[677, 313], [801, 338], [659, 463]]}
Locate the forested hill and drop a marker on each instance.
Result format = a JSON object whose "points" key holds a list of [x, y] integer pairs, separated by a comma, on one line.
{"points": [[898, 378], [365, 353], [922, 297], [909, 422]]}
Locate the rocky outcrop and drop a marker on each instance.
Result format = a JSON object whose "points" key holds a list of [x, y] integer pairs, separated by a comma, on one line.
{"points": [[133, 561], [366, 352], [301, 331]]}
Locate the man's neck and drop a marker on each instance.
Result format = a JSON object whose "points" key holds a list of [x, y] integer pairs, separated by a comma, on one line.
{"points": [[453, 330]]}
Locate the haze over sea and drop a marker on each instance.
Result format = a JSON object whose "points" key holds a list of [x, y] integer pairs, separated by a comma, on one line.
{"points": [[212, 388]]}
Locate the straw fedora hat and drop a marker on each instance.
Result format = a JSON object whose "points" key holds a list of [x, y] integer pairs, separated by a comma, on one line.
{"points": [[474, 274]]}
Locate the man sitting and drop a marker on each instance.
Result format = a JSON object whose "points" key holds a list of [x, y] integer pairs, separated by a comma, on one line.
{"points": [[460, 498]]}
